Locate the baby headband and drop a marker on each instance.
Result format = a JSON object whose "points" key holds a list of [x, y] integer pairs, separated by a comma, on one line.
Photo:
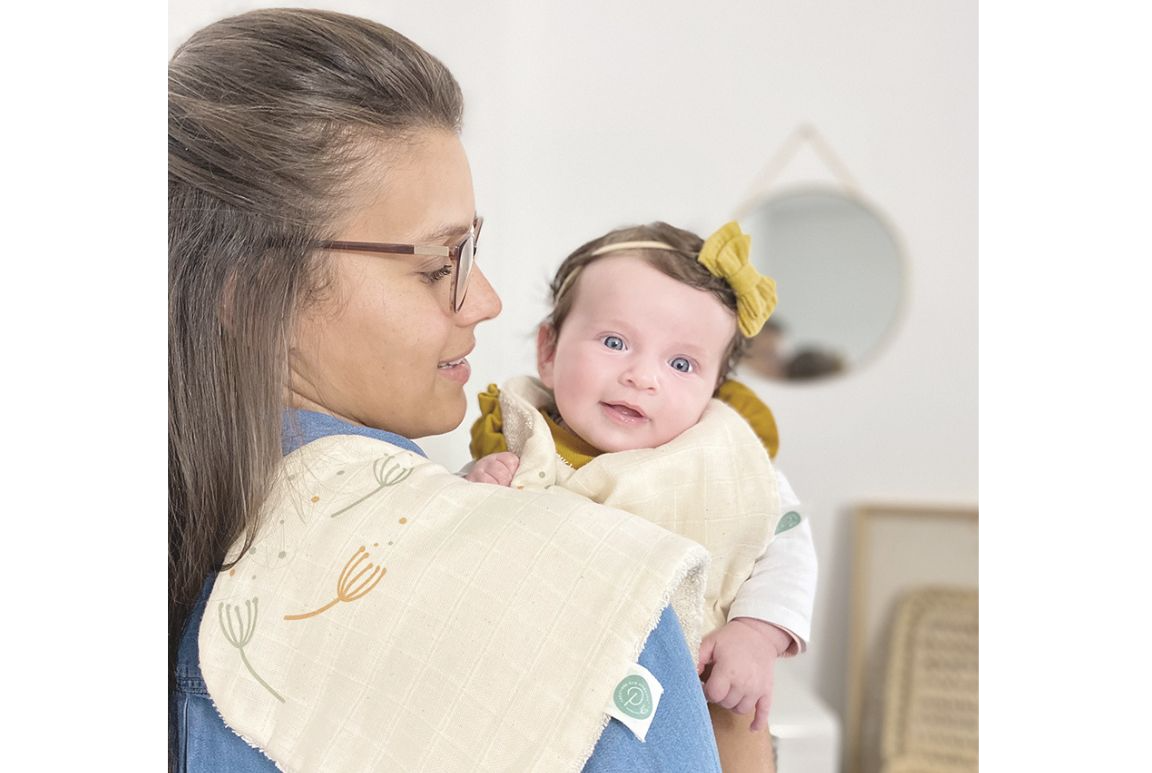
{"points": [[725, 255], [633, 246]]}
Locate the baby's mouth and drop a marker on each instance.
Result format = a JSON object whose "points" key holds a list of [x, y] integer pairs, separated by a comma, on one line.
{"points": [[623, 412]]}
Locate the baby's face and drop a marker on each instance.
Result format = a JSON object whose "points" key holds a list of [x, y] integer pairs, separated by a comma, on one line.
{"points": [[638, 356]]}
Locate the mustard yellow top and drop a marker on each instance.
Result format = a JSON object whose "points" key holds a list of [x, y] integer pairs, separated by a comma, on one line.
{"points": [[745, 402]]}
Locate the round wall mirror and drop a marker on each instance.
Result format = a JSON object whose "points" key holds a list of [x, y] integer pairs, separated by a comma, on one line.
{"points": [[840, 276]]}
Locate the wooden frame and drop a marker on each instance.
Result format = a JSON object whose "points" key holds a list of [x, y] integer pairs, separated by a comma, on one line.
{"points": [[896, 547]]}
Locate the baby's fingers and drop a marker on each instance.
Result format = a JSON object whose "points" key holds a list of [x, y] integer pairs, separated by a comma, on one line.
{"points": [[717, 688], [509, 460], [484, 476], [706, 648], [760, 721], [746, 705]]}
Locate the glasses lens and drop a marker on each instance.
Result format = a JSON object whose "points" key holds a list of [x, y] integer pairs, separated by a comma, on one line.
{"points": [[464, 266]]}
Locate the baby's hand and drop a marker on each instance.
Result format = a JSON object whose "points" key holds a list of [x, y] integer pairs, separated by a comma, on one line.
{"points": [[740, 657], [494, 468]]}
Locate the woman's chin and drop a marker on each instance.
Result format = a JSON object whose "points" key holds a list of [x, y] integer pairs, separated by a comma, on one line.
{"points": [[446, 416]]}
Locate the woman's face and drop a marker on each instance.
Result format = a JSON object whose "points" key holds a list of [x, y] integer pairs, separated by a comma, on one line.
{"points": [[381, 346]]}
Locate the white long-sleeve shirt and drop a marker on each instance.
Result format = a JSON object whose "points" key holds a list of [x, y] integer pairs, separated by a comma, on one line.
{"points": [[782, 587]]}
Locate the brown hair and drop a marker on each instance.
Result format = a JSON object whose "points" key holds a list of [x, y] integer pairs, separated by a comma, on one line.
{"points": [[274, 117], [679, 263]]}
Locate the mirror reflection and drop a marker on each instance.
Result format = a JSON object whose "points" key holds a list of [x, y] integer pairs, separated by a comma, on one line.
{"points": [[839, 273]]}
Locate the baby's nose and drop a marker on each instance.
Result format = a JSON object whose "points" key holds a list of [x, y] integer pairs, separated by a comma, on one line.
{"points": [[641, 377]]}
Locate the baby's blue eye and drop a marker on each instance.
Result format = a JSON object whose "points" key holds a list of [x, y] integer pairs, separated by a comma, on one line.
{"points": [[682, 364], [614, 342]]}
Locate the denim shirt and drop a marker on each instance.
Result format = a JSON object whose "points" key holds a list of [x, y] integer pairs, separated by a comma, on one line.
{"points": [[680, 738]]}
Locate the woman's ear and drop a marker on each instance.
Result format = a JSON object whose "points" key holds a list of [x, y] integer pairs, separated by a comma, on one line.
{"points": [[545, 352]]}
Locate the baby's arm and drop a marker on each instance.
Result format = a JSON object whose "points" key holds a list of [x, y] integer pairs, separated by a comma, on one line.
{"points": [[494, 468], [782, 587], [776, 603]]}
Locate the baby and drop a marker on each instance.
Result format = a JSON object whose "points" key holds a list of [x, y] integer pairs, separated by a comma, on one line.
{"points": [[646, 324]]}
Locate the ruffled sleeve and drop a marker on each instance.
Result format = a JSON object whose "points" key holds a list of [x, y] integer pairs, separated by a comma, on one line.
{"points": [[488, 430]]}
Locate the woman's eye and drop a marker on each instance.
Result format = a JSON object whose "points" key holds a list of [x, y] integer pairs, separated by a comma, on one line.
{"points": [[614, 342], [682, 364], [438, 274]]}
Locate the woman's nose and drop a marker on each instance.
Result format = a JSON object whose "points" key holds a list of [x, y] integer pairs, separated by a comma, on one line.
{"points": [[482, 302]]}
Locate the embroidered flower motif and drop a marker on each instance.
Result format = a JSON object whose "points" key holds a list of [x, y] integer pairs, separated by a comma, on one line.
{"points": [[387, 473], [238, 628], [352, 584]]}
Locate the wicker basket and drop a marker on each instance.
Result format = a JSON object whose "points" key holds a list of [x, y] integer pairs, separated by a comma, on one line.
{"points": [[931, 709]]}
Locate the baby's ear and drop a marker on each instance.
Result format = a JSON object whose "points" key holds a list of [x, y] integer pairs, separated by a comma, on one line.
{"points": [[545, 352]]}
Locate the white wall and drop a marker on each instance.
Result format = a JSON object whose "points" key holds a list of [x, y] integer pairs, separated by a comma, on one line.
{"points": [[585, 116]]}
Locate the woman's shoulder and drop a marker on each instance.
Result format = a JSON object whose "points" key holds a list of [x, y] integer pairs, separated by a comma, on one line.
{"points": [[204, 743]]}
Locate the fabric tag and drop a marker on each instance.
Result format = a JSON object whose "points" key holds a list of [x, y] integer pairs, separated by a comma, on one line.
{"points": [[634, 700]]}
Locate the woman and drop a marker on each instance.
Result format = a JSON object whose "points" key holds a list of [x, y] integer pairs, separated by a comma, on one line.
{"points": [[322, 305]]}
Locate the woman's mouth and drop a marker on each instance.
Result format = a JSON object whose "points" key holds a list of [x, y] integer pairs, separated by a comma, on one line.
{"points": [[623, 414], [456, 370]]}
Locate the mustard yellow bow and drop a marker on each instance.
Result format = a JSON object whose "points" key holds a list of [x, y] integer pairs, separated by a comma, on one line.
{"points": [[725, 255]]}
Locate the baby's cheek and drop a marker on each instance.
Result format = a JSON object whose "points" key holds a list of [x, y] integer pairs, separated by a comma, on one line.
{"points": [[563, 397], [688, 416], [666, 431]]}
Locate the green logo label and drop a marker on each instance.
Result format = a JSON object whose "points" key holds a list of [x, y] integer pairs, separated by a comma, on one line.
{"points": [[633, 697], [789, 520]]}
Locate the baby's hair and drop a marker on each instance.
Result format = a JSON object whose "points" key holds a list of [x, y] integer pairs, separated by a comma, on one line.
{"points": [[679, 263]]}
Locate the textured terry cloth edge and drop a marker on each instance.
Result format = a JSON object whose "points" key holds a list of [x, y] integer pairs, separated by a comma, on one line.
{"points": [[243, 737]]}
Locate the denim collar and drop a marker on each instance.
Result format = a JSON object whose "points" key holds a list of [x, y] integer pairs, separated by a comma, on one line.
{"points": [[300, 427]]}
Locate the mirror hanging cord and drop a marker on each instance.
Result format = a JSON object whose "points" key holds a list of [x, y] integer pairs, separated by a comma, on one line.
{"points": [[804, 133]]}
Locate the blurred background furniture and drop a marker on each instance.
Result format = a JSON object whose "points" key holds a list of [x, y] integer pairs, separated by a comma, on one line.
{"points": [[900, 552], [931, 714], [806, 731]]}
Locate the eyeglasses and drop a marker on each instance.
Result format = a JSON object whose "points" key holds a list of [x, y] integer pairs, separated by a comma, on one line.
{"points": [[463, 255]]}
